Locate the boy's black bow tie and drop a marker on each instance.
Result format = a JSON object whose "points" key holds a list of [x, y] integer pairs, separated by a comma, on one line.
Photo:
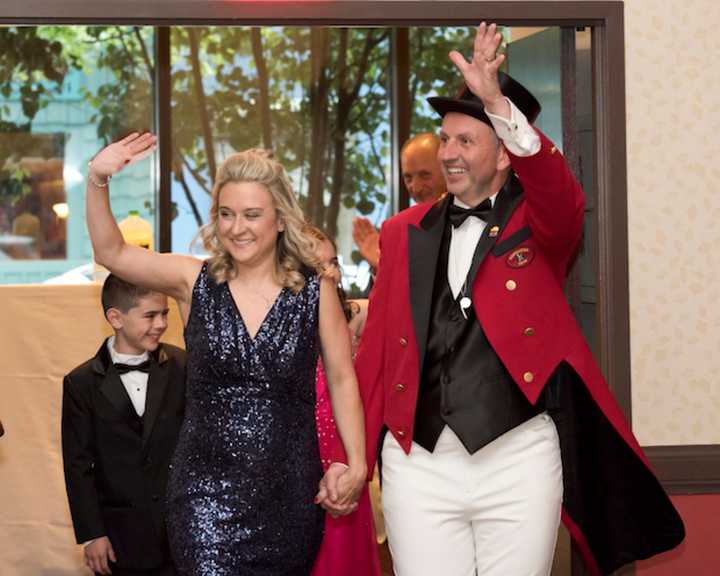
{"points": [[125, 368], [458, 215]]}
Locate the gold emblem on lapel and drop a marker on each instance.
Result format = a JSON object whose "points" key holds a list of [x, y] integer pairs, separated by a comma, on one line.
{"points": [[494, 231], [520, 257]]}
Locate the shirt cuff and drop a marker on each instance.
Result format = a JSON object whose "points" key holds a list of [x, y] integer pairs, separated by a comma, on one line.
{"points": [[516, 133]]}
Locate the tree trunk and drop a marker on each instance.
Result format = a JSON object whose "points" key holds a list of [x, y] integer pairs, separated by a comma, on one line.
{"points": [[346, 100], [202, 102], [420, 34], [180, 177], [341, 123], [145, 54], [319, 103], [263, 82]]}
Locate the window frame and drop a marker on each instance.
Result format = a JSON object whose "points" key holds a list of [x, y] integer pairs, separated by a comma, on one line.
{"points": [[608, 57]]}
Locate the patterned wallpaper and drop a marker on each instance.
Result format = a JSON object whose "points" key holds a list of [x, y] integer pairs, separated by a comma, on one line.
{"points": [[673, 135]]}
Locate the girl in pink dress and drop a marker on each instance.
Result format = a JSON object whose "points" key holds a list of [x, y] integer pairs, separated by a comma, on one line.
{"points": [[349, 547]]}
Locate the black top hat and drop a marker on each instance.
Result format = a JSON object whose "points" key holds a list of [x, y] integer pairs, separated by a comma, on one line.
{"points": [[467, 103]]}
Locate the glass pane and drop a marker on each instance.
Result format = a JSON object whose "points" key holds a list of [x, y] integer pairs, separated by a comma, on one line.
{"points": [[432, 73], [533, 58], [65, 91], [317, 97]]}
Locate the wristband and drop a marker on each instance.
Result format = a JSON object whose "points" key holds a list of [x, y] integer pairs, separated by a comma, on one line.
{"points": [[95, 182]]}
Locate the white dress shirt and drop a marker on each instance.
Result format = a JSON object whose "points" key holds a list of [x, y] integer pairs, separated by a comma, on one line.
{"points": [[135, 382], [519, 138]]}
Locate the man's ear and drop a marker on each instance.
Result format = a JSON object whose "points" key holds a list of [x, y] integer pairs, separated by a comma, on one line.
{"points": [[114, 318], [503, 159]]}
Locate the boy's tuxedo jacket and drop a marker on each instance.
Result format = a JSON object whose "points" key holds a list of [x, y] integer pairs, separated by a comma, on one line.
{"points": [[115, 474]]}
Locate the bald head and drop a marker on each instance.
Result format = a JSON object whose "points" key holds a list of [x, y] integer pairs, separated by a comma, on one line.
{"points": [[420, 168]]}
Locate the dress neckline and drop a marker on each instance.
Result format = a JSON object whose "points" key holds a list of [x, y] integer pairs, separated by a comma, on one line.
{"points": [[269, 312]]}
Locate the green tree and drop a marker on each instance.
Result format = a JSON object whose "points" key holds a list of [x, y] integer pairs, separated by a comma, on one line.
{"points": [[124, 103], [32, 69], [431, 72], [316, 96], [304, 92]]}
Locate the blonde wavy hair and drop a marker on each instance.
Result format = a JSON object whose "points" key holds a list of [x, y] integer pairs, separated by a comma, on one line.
{"points": [[295, 248]]}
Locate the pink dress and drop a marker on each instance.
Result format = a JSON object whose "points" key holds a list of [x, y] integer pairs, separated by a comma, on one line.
{"points": [[348, 547]]}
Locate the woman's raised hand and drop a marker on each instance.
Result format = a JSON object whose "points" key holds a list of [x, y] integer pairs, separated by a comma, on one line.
{"points": [[113, 158]]}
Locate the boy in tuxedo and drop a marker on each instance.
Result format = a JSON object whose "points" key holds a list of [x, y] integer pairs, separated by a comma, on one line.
{"points": [[121, 415]]}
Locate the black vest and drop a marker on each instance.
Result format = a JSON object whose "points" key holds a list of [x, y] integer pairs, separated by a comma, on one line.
{"points": [[464, 384], [137, 423]]}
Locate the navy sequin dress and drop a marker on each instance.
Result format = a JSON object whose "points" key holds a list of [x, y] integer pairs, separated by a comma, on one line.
{"points": [[246, 468]]}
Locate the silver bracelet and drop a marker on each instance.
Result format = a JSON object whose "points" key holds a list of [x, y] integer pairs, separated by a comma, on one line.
{"points": [[95, 182]]}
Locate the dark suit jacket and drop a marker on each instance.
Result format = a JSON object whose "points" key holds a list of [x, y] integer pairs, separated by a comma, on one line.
{"points": [[116, 477]]}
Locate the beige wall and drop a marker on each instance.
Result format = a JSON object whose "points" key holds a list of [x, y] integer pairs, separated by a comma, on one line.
{"points": [[45, 331], [673, 136]]}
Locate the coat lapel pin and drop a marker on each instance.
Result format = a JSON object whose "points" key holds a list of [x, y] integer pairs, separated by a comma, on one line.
{"points": [[520, 257]]}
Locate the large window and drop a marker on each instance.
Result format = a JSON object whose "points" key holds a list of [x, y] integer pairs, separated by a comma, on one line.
{"points": [[64, 93], [598, 111], [324, 100]]}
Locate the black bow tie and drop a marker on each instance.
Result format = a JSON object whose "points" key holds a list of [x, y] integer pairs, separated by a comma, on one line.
{"points": [[458, 215], [125, 368]]}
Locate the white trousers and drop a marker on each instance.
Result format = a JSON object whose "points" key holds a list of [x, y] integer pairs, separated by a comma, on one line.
{"points": [[492, 513]]}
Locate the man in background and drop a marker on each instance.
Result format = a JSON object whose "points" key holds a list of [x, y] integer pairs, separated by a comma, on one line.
{"points": [[423, 178]]}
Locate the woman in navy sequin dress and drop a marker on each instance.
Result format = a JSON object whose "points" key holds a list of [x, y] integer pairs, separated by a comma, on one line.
{"points": [[243, 494]]}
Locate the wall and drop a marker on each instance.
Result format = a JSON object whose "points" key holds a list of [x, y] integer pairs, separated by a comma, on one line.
{"points": [[54, 328], [673, 94]]}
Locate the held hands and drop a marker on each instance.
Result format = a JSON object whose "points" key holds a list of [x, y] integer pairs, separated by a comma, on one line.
{"points": [[481, 73], [367, 239], [340, 489], [97, 554], [113, 158]]}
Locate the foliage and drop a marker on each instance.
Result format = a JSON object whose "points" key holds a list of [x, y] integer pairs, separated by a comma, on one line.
{"points": [[317, 96], [32, 68], [431, 71], [125, 102], [232, 84]]}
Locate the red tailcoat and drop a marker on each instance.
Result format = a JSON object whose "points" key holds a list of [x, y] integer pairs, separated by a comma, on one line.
{"points": [[613, 505]]}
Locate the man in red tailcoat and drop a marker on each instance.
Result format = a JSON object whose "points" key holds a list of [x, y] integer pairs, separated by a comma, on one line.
{"points": [[498, 421]]}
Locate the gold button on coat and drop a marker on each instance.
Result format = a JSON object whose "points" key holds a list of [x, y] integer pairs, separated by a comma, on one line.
{"points": [[400, 387], [528, 377], [403, 342], [401, 433], [511, 285], [529, 331]]}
